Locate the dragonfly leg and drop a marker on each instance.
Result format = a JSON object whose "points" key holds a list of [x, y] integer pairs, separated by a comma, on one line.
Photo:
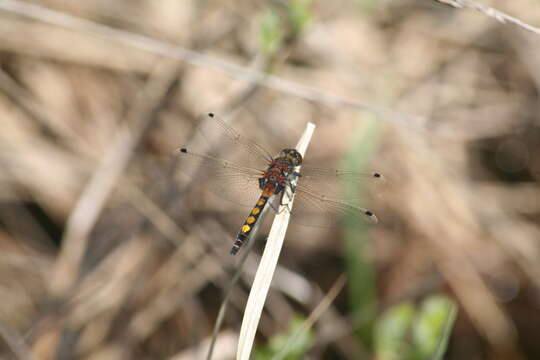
{"points": [[291, 180], [286, 204], [262, 183], [290, 190], [287, 208], [276, 209]]}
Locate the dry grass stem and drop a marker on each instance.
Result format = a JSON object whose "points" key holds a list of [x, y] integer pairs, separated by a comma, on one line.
{"points": [[161, 48], [228, 293], [491, 12], [224, 348], [105, 253], [15, 343], [93, 199], [315, 315], [265, 272]]}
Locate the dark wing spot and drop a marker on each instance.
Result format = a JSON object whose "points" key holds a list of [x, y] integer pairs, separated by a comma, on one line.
{"points": [[184, 150], [377, 175], [368, 213], [211, 115]]}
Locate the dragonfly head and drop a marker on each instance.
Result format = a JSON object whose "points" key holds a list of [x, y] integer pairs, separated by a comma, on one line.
{"points": [[292, 156]]}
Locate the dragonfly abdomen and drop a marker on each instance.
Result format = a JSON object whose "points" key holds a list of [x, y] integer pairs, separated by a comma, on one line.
{"points": [[251, 220]]}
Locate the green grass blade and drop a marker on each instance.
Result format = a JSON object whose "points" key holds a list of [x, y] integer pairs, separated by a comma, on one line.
{"points": [[360, 270]]}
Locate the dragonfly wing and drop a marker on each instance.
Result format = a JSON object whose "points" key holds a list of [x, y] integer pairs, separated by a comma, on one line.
{"points": [[240, 190], [214, 136], [331, 182], [230, 181], [228, 163], [313, 209]]}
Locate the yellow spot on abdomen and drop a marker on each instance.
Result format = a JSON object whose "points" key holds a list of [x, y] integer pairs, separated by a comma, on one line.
{"points": [[255, 211], [250, 220], [261, 202], [246, 228]]}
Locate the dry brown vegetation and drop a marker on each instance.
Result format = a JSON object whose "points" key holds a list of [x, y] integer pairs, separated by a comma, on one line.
{"points": [[107, 254]]}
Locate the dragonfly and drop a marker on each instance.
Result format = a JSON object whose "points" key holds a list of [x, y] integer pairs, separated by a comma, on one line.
{"points": [[243, 171]]}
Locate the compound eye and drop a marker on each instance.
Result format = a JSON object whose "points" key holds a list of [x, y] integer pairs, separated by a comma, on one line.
{"points": [[298, 158]]}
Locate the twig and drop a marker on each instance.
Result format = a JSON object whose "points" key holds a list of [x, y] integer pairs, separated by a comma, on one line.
{"points": [[94, 196], [15, 343], [225, 348], [60, 133], [169, 50], [314, 316], [228, 292], [265, 272], [491, 12]]}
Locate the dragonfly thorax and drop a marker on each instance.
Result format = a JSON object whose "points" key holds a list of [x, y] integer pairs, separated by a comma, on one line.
{"points": [[279, 171], [274, 178]]}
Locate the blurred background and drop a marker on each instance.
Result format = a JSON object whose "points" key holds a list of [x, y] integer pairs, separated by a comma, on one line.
{"points": [[106, 253]]}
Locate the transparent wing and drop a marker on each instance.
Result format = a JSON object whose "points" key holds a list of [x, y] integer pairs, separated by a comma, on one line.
{"points": [[230, 181], [330, 182], [215, 137], [230, 166], [314, 209], [225, 162]]}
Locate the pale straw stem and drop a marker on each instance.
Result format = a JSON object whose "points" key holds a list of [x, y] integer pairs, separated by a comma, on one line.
{"points": [[267, 266]]}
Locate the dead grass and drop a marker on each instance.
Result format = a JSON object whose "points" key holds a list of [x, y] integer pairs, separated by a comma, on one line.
{"points": [[105, 255]]}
